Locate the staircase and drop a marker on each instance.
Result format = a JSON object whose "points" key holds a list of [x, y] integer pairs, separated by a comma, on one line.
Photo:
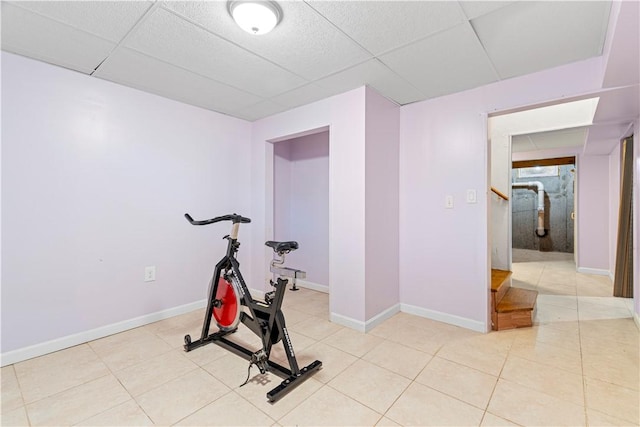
{"points": [[510, 307]]}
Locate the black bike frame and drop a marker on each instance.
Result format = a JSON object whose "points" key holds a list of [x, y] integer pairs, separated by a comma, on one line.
{"points": [[264, 320]]}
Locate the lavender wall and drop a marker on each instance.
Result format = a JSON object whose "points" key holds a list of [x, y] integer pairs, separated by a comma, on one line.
{"points": [[281, 189], [500, 212], [344, 116], [301, 207], [444, 253], [381, 204], [593, 214], [614, 206], [96, 178]]}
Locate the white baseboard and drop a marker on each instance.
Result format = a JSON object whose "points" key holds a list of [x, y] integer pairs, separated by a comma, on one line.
{"points": [[611, 275], [15, 356], [381, 317], [361, 326], [636, 318], [595, 271], [358, 325], [313, 286], [451, 319]]}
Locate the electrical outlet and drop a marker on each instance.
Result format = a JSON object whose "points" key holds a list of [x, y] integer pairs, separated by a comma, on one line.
{"points": [[471, 196], [150, 273], [448, 202]]}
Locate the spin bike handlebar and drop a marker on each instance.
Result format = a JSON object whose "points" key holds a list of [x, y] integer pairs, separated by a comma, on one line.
{"points": [[234, 218]]}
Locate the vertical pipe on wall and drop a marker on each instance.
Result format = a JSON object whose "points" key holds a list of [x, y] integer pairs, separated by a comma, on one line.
{"points": [[540, 231]]}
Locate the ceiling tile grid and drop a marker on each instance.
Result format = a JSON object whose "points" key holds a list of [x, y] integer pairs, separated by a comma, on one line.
{"points": [[30, 34], [304, 42], [110, 20], [377, 75], [172, 39], [408, 51], [521, 144], [564, 138], [475, 8], [447, 62], [143, 72], [302, 95], [261, 109], [381, 26], [525, 37]]}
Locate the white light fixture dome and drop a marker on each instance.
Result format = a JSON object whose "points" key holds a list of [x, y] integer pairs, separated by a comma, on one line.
{"points": [[255, 16]]}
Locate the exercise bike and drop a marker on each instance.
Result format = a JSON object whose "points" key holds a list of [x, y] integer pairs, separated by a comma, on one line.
{"points": [[230, 303]]}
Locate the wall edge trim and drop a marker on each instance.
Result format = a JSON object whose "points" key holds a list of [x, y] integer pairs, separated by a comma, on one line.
{"points": [[594, 271], [313, 286], [439, 316], [339, 319], [381, 317], [367, 326], [57, 344]]}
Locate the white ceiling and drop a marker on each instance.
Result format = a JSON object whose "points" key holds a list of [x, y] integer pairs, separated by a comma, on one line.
{"points": [[407, 50], [564, 138]]}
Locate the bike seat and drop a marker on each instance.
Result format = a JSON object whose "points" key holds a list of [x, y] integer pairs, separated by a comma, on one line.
{"points": [[282, 247]]}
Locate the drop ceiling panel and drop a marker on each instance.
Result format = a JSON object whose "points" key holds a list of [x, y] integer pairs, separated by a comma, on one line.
{"points": [[169, 38], [304, 42], [259, 110], [302, 95], [423, 49], [34, 36], [531, 36], [380, 26], [375, 74], [474, 9], [521, 144], [447, 62], [143, 72], [107, 19], [564, 138], [574, 137]]}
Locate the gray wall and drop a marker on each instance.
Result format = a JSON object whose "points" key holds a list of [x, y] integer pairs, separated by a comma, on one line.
{"points": [[558, 202]]}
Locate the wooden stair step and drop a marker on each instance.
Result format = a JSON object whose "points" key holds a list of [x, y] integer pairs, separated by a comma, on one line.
{"points": [[500, 284], [498, 278], [516, 310], [517, 299]]}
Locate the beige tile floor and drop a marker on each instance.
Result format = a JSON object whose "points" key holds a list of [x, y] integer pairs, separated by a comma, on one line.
{"points": [[578, 365]]}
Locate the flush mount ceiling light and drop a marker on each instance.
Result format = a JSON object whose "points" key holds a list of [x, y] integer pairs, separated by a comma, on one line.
{"points": [[255, 16]]}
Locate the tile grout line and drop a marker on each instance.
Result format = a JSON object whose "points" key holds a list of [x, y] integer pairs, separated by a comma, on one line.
{"points": [[584, 379], [119, 382], [412, 382], [24, 403]]}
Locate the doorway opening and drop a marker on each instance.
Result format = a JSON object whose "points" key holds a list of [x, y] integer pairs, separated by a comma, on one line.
{"points": [[530, 148], [301, 204], [543, 205]]}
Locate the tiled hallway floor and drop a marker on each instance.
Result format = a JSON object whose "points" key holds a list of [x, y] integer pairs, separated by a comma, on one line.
{"points": [[577, 366]]}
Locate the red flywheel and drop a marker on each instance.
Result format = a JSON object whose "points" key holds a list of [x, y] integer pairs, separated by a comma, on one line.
{"points": [[227, 315]]}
